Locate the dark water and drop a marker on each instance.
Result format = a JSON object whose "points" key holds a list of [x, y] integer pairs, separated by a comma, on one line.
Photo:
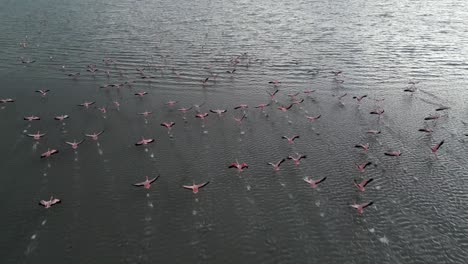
{"points": [[420, 207]]}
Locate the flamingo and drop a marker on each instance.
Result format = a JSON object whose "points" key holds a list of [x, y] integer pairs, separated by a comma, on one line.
{"points": [[140, 93], [239, 119], [61, 117], [284, 108], [32, 118], [171, 103], [360, 207], [275, 82], [239, 166], [291, 139], [365, 147], [36, 136], [378, 112], [146, 113], [74, 144], [6, 100], [426, 130], [241, 106], [373, 131], [276, 165], [42, 92], [313, 118], [144, 141], [393, 153], [168, 125], [184, 109], [218, 111], [147, 183], [313, 183], [195, 187], [435, 148], [95, 135], [262, 106], [87, 104], [432, 117], [359, 98], [201, 116], [272, 94], [361, 186], [49, 153], [362, 167], [297, 158], [442, 108], [50, 202]]}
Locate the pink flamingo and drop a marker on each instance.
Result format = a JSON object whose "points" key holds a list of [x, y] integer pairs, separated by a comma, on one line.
{"points": [[359, 98], [147, 183], [272, 94], [239, 119], [362, 167], [74, 144], [241, 106], [95, 135], [361, 186], [297, 158], [202, 116], [313, 183], [373, 131], [36, 136], [146, 113], [393, 153], [360, 207], [218, 111], [61, 117], [284, 108], [50, 202], [290, 139], [262, 106], [435, 148], [87, 104], [426, 130], [49, 153], [168, 125], [195, 187], [32, 118], [141, 93], [239, 166], [144, 141], [365, 147], [313, 118], [6, 100], [42, 92], [276, 166]]}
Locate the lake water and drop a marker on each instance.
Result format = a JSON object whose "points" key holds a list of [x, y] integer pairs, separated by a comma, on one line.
{"points": [[420, 210]]}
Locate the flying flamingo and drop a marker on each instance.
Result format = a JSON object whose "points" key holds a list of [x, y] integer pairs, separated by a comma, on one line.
{"points": [[95, 135], [146, 113], [290, 139], [42, 92], [361, 186], [275, 82], [218, 111], [442, 108], [426, 130], [201, 116], [74, 75], [297, 158], [365, 147], [171, 103], [432, 117], [313, 118], [102, 109], [276, 165], [140, 93], [360, 207], [147, 183], [144, 141], [184, 109], [393, 153], [168, 125], [284, 108], [61, 117], [373, 131], [362, 167], [308, 91], [75, 144], [378, 112], [6, 100], [272, 94], [359, 98], [239, 166], [239, 119], [87, 104], [336, 73], [195, 187], [241, 106], [262, 106], [435, 148], [50, 202], [49, 153], [32, 118], [313, 183], [36, 136]]}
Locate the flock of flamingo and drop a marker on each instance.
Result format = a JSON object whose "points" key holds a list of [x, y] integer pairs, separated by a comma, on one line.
{"points": [[272, 91]]}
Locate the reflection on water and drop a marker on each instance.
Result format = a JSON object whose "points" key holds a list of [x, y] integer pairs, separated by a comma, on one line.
{"points": [[333, 63]]}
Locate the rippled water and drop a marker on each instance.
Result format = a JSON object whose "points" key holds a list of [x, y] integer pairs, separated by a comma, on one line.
{"points": [[420, 207]]}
